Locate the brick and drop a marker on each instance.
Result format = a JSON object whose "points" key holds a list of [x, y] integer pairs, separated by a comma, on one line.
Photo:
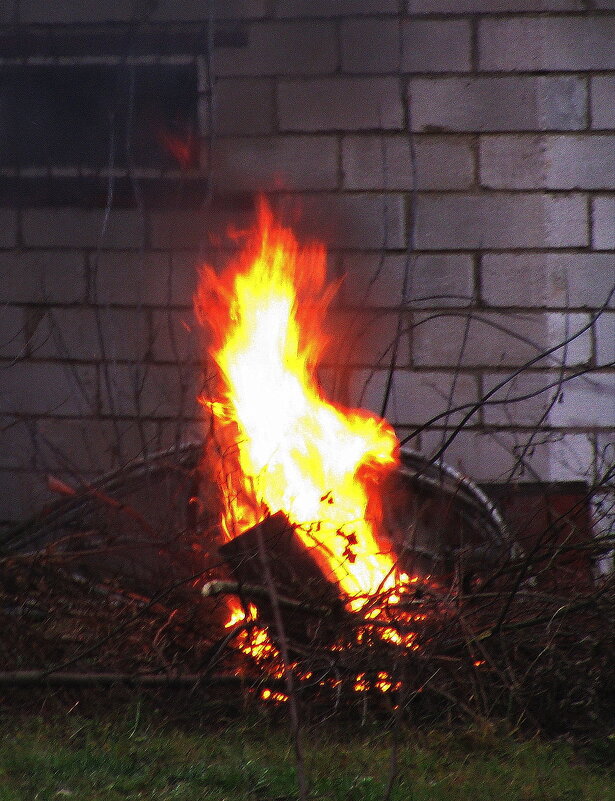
{"points": [[21, 494], [360, 221], [376, 280], [548, 162], [129, 278], [500, 103], [243, 106], [281, 48], [72, 227], [340, 103], [177, 337], [42, 276], [179, 229], [365, 340], [73, 334], [548, 279], [16, 442], [525, 401], [93, 446], [603, 223], [12, 332], [381, 56], [185, 10], [48, 388], [83, 11], [341, 8], [377, 162], [150, 391], [415, 397], [603, 101], [289, 162], [588, 401], [184, 276], [547, 43], [436, 46], [488, 6], [491, 340], [482, 456], [604, 330], [8, 228], [451, 222]]}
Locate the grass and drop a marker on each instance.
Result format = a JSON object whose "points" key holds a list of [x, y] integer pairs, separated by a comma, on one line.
{"points": [[140, 757]]}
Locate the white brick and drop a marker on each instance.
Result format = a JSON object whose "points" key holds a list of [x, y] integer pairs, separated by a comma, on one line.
{"points": [[72, 227], [16, 442], [502, 103], [480, 456], [453, 222], [150, 391], [382, 55], [603, 223], [415, 397], [548, 162], [177, 337], [377, 162], [242, 106], [289, 162], [587, 401], [340, 8], [490, 340], [604, 329], [436, 46], [48, 388], [365, 340], [361, 221], [281, 48], [549, 279], [73, 11], [376, 280], [42, 276], [8, 228], [603, 101], [21, 495], [130, 278], [198, 10], [182, 229], [488, 6], [547, 43], [340, 103], [12, 332]]}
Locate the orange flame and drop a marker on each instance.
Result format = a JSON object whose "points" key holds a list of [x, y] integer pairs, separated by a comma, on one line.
{"points": [[294, 451]]}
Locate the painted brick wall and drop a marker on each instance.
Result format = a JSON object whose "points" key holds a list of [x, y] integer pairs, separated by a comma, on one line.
{"points": [[466, 144]]}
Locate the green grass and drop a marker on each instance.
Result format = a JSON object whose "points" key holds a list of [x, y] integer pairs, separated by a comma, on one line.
{"points": [[141, 758]]}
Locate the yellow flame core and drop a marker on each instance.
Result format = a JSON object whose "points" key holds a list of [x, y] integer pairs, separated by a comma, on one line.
{"points": [[295, 451]]}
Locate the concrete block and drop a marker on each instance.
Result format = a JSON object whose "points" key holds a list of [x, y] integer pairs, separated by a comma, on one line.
{"points": [[456, 222], [12, 332], [177, 338], [359, 221], [385, 162], [21, 494], [42, 388], [588, 401], [436, 46], [342, 103], [491, 6], [129, 278], [72, 333], [501, 340], [604, 330], [416, 397], [42, 276], [8, 228], [602, 93], [434, 280], [548, 279], [365, 339], [185, 266], [500, 103], [282, 162], [281, 48], [74, 228], [186, 10], [482, 456], [524, 401], [603, 222], [243, 106], [72, 11], [341, 8], [548, 162], [17, 437], [150, 391], [179, 230], [370, 45], [547, 43]]}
